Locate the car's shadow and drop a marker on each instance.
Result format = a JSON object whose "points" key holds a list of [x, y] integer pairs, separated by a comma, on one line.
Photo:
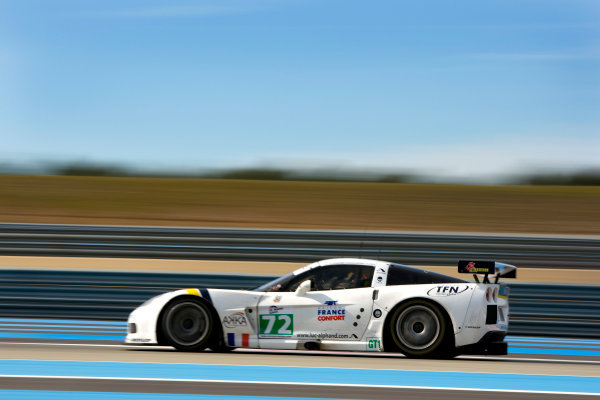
{"points": [[514, 358]]}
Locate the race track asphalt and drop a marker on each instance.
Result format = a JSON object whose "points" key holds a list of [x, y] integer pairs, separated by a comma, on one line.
{"points": [[55, 367]]}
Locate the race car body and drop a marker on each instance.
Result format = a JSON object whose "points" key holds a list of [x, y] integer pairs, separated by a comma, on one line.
{"points": [[339, 304]]}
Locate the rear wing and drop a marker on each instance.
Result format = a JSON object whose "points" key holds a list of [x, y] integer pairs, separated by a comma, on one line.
{"points": [[487, 268]]}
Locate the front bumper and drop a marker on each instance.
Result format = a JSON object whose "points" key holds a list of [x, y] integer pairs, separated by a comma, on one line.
{"points": [[140, 328]]}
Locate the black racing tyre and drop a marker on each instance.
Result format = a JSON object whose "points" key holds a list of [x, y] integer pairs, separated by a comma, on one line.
{"points": [[419, 328], [188, 324]]}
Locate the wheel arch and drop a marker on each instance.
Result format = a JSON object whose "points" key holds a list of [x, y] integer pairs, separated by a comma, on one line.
{"points": [[160, 338], [388, 342]]}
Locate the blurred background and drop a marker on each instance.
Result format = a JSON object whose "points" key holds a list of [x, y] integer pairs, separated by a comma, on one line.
{"points": [[149, 145], [469, 116]]}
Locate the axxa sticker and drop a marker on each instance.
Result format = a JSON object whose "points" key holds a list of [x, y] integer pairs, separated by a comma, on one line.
{"points": [[447, 290], [235, 320]]}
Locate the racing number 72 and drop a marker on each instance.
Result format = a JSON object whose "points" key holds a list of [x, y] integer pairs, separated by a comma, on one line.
{"points": [[276, 324]]}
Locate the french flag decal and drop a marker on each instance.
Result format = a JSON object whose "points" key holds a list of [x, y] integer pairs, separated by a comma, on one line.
{"points": [[231, 339], [244, 342]]}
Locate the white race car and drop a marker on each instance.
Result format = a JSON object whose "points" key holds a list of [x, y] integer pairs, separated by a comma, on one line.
{"points": [[339, 304]]}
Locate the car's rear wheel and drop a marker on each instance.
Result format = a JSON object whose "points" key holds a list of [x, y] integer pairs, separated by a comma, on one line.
{"points": [[419, 329], [188, 324]]}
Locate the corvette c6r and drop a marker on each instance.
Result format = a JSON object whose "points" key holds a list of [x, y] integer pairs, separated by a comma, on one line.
{"points": [[339, 304]]}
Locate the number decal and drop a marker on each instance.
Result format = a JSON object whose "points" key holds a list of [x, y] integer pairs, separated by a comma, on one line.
{"points": [[287, 321], [276, 324]]}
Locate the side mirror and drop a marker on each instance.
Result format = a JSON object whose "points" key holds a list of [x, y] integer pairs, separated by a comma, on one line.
{"points": [[303, 288]]}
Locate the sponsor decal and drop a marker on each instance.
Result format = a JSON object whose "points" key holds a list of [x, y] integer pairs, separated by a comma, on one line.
{"points": [[275, 309], [235, 320], [475, 267], [377, 313], [330, 302], [447, 290], [325, 335], [138, 340], [472, 327], [331, 317], [243, 340], [331, 312], [276, 324], [373, 344], [379, 275], [277, 299]]}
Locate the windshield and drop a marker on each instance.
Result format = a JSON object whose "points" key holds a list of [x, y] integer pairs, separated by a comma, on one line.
{"points": [[275, 285]]}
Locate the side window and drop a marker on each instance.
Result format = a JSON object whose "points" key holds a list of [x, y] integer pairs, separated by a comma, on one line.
{"points": [[292, 285], [404, 275], [396, 276], [338, 277]]}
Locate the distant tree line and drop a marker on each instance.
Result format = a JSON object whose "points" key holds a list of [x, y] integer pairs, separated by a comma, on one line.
{"points": [[590, 177], [272, 174], [578, 178]]}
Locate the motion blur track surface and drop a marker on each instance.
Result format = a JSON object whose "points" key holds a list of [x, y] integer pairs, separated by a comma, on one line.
{"points": [[278, 381], [113, 332], [68, 359], [62, 330]]}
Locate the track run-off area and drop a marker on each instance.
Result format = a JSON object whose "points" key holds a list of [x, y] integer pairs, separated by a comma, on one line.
{"points": [[67, 359]]}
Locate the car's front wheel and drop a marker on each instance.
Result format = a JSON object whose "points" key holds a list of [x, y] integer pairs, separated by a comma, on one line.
{"points": [[418, 328], [188, 324]]}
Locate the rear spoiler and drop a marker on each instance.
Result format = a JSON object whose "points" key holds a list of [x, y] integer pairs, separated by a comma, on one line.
{"points": [[487, 268]]}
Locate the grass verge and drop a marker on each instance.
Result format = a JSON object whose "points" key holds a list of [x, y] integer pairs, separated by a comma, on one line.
{"points": [[294, 204]]}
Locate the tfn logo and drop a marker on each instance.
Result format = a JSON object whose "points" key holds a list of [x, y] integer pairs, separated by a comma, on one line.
{"points": [[447, 290], [330, 302], [373, 344]]}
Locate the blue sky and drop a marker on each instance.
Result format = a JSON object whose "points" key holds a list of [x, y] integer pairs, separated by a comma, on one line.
{"points": [[457, 88]]}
